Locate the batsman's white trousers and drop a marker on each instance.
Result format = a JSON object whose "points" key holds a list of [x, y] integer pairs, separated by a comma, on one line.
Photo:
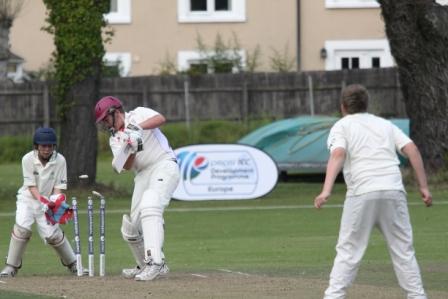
{"points": [[30, 211], [388, 211], [162, 178]]}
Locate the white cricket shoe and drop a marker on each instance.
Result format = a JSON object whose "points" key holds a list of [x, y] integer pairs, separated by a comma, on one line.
{"points": [[9, 271], [151, 271], [131, 272]]}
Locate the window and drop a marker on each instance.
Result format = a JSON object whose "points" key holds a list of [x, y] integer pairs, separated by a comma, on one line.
{"points": [[354, 54], [113, 6], [376, 62], [442, 2], [198, 5], [121, 60], [12, 67], [120, 12], [195, 61], [222, 5], [351, 3], [349, 63], [209, 11]]}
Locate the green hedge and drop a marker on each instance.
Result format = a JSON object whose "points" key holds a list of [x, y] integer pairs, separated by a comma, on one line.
{"points": [[14, 147], [200, 132]]}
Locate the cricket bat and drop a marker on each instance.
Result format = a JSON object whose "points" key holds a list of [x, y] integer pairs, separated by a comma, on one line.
{"points": [[119, 160]]}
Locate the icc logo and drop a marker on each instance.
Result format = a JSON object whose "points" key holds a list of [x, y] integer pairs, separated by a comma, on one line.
{"points": [[191, 164]]}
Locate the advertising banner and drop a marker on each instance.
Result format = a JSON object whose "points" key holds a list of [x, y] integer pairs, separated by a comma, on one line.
{"points": [[224, 171]]}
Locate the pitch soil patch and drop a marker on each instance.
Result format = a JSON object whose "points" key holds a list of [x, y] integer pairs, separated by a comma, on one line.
{"points": [[192, 285]]}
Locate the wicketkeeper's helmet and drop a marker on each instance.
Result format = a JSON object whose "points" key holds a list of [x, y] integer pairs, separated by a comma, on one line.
{"points": [[105, 106], [45, 136]]}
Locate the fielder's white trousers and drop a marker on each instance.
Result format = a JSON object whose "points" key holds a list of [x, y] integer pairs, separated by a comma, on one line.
{"points": [[388, 211]]}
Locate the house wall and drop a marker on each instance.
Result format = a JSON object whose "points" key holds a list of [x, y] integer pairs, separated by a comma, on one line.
{"points": [[320, 24], [154, 32]]}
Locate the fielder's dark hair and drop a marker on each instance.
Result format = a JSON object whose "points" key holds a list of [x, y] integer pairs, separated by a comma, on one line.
{"points": [[355, 98]]}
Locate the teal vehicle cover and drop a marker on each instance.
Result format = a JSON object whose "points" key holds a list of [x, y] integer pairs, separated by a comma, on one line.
{"points": [[299, 145]]}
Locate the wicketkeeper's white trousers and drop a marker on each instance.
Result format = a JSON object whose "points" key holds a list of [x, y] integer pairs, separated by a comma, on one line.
{"points": [[30, 211], [388, 211]]}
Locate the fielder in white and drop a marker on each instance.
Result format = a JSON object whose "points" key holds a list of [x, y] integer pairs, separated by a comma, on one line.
{"points": [[156, 177], [44, 175], [365, 147]]}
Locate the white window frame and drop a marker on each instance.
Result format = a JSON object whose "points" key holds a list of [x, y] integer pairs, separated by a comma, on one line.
{"points": [[123, 14], [236, 14], [185, 58], [357, 46], [124, 58], [351, 4]]}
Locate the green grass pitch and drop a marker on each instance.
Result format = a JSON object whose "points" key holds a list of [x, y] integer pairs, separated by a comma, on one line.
{"points": [[279, 234]]}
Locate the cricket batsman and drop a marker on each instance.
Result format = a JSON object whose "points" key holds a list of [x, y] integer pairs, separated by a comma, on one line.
{"points": [[137, 143], [40, 200]]}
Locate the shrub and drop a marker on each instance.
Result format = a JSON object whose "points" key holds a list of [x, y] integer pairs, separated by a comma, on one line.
{"points": [[200, 132], [13, 148]]}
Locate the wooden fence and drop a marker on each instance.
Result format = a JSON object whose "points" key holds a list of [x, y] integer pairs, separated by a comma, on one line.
{"points": [[24, 107]]}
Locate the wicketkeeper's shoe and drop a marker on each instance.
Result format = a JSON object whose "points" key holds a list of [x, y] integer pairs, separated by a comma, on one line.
{"points": [[74, 270], [151, 271], [9, 271]]}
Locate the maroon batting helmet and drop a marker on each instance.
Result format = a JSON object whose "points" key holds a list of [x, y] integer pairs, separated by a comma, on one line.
{"points": [[106, 106]]}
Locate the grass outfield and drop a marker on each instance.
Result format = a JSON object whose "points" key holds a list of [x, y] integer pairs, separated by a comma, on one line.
{"points": [[279, 235]]}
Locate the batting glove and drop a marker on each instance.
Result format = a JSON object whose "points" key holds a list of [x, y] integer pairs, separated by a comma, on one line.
{"points": [[132, 128], [135, 141]]}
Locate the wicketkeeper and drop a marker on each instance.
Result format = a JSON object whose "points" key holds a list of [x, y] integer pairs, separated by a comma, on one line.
{"points": [[40, 200], [156, 171]]}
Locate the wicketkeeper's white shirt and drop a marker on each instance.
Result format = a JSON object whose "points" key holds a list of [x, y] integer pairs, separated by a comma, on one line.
{"points": [[45, 178], [155, 145], [371, 144]]}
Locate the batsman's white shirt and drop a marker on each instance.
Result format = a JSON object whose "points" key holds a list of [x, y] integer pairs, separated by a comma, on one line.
{"points": [[371, 143], [155, 145]]}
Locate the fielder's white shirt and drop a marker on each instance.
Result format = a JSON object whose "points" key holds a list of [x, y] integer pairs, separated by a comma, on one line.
{"points": [[155, 145], [45, 178], [371, 144]]}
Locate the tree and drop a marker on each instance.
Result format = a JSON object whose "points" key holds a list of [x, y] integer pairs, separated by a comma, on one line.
{"points": [[77, 26], [9, 9], [418, 34]]}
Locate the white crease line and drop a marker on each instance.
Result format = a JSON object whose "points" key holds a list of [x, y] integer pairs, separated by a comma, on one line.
{"points": [[243, 208], [199, 275], [235, 272], [1, 281]]}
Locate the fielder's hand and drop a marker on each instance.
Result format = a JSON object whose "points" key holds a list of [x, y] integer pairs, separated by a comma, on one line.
{"points": [[426, 196], [321, 199]]}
